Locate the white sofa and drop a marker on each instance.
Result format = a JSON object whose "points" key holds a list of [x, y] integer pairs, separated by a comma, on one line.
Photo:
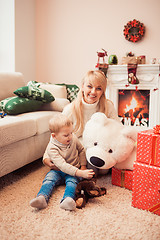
{"points": [[23, 137]]}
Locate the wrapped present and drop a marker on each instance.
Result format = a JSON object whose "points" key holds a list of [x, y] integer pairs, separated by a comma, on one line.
{"points": [[129, 60], [146, 187], [141, 59], [148, 147], [122, 178]]}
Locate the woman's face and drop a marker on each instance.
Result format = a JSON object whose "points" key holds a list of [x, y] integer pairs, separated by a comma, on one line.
{"points": [[92, 91]]}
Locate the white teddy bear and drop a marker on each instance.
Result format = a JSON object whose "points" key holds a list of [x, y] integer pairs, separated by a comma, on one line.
{"points": [[109, 143]]}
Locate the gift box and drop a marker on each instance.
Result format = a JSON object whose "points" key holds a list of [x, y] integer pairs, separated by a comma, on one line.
{"points": [[129, 60], [146, 187], [148, 147], [122, 178]]}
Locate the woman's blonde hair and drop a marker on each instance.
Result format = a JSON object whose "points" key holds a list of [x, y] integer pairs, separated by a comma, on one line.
{"points": [[77, 107], [58, 121]]}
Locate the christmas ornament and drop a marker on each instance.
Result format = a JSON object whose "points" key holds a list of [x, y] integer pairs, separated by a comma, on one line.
{"points": [[134, 31], [112, 59]]}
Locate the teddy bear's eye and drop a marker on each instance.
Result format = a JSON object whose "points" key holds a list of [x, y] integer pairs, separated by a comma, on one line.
{"points": [[110, 151], [95, 143]]}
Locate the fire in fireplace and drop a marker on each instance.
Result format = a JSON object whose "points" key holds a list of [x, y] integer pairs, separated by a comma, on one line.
{"points": [[133, 107]]}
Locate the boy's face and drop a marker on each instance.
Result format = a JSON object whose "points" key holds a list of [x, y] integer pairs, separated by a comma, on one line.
{"points": [[64, 136]]}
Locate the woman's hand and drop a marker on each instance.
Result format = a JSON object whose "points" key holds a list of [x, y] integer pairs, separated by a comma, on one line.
{"points": [[50, 164]]}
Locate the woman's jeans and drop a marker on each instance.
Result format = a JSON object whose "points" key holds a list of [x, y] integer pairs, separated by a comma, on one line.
{"points": [[55, 178]]}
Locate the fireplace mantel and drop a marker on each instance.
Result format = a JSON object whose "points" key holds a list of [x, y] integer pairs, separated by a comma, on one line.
{"points": [[148, 75], [120, 72]]}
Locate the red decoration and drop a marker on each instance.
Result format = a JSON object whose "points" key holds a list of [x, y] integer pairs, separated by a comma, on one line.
{"points": [[155, 89], [121, 93], [156, 129], [132, 69], [134, 31]]}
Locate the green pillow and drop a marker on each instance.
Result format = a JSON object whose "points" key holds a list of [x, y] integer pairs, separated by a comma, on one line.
{"points": [[72, 91], [35, 93], [33, 83], [17, 105]]}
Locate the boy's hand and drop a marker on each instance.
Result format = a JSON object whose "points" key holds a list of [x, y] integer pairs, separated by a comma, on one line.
{"points": [[88, 173], [50, 164], [83, 167]]}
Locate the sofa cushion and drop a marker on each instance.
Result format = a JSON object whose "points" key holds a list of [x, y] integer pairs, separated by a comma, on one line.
{"points": [[17, 105], [22, 126], [56, 90], [15, 128], [41, 118], [9, 82], [56, 105], [34, 93]]}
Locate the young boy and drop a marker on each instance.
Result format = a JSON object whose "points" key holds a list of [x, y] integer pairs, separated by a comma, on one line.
{"points": [[68, 155]]}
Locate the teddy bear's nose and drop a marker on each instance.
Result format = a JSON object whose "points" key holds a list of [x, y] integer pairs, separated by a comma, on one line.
{"points": [[96, 161]]}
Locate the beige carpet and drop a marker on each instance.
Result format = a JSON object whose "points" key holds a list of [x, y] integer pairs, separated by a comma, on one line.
{"points": [[108, 217]]}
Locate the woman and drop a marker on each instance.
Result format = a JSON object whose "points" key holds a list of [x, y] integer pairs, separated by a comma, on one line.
{"points": [[91, 98]]}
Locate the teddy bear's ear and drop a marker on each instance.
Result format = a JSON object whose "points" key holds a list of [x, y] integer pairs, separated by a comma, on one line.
{"points": [[130, 132], [99, 117]]}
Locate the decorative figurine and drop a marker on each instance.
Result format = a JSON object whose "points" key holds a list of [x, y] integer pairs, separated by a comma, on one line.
{"points": [[101, 55], [102, 66]]}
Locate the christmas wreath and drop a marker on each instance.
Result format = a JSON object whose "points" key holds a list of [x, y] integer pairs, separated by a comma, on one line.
{"points": [[134, 30]]}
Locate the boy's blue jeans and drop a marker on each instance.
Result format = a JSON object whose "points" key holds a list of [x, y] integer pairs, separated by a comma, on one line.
{"points": [[55, 178]]}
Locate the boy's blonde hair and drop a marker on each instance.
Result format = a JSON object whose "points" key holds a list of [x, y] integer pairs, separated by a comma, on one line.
{"points": [[58, 121], [77, 104]]}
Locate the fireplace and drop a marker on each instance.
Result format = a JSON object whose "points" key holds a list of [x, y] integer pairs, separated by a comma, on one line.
{"points": [[139, 104], [133, 107]]}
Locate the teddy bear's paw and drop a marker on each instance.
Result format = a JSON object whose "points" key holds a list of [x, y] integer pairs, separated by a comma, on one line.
{"points": [[97, 191], [103, 191], [93, 193], [80, 201]]}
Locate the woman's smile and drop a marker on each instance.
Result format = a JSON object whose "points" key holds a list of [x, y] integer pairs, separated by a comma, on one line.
{"points": [[92, 92]]}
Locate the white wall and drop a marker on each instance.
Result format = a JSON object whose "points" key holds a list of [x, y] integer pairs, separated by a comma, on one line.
{"points": [[7, 36], [57, 40], [25, 45], [69, 33]]}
